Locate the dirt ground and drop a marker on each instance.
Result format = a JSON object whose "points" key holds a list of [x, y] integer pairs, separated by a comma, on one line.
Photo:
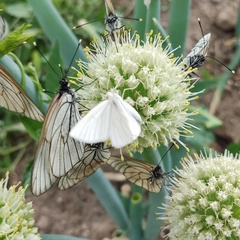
{"points": [[77, 211]]}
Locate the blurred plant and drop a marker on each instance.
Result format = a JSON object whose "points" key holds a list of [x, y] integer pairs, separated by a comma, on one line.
{"points": [[133, 213], [16, 216]]}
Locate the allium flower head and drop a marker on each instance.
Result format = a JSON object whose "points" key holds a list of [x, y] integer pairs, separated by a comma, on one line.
{"points": [[205, 199], [16, 216], [148, 77]]}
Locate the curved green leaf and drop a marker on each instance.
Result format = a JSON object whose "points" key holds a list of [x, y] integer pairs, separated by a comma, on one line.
{"points": [[59, 237]]}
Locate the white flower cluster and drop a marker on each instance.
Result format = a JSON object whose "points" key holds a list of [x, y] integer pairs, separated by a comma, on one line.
{"points": [[205, 199], [16, 216], [148, 77]]}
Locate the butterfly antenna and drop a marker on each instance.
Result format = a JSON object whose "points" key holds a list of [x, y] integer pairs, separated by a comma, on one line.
{"points": [[74, 55], [137, 19], [200, 25], [35, 44], [61, 69], [81, 25], [167, 151], [222, 64]]}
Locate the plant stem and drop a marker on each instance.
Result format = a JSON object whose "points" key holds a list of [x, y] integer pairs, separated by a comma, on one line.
{"points": [[178, 24]]}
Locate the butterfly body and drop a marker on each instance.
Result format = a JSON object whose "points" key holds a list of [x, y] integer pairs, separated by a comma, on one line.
{"points": [[157, 173], [112, 23], [113, 119]]}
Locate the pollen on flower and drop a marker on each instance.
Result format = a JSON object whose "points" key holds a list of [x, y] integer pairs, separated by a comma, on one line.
{"points": [[16, 216], [148, 75], [206, 201]]}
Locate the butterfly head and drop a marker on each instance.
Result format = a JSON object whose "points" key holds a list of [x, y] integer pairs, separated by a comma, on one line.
{"points": [[64, 84], [157, 173], [111, 18]]}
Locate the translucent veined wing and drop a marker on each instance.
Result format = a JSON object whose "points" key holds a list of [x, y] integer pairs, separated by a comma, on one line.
{"points": [[112, 22], [42, 176], [139, 172], [14, 98], [113, 119], [4, 29], [196, 57], [94, 157], [57, 152]]}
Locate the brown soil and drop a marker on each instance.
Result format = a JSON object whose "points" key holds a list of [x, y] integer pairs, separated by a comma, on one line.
{"points": [[77, 211]]}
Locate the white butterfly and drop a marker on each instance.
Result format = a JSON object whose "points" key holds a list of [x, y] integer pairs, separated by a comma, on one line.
{"points": [[196, 57], [57, 152], [113, 119], [14, 98]]}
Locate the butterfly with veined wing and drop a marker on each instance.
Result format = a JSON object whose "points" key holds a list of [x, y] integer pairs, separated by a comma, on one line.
{"points": [[14, 98], [57, 152], [112, 22], [196, 57], [12, 95], [94, 157], [4, 29], [141, 173], [113, 119]]}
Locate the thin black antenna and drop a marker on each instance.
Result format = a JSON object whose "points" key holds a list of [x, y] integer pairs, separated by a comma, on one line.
{"points": [[75, 53], [81, 25], [200, 25], [129, 18], [222, 64], [35, 44], [79, 43], [167, 151]]}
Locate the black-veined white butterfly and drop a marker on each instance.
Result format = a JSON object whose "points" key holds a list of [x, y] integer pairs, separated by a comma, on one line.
{"points": [[4, 29], [57, 152], [113, 119], [141, 173], [112, 22], [94, 157], [14, 98], [196, 57]]}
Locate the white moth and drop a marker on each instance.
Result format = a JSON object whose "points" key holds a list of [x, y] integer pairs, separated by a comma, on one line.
{"points": [[113, 119]]}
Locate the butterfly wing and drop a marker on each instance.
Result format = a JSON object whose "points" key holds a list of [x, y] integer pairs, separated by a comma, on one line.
{"points": [[94, 127], [124, 122], [42, 176], [111, 119], [138, 172], [94, 157], [65, 151], [57, 153], [109, 6], [200, 50], [4, 29], [14, 98]]}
